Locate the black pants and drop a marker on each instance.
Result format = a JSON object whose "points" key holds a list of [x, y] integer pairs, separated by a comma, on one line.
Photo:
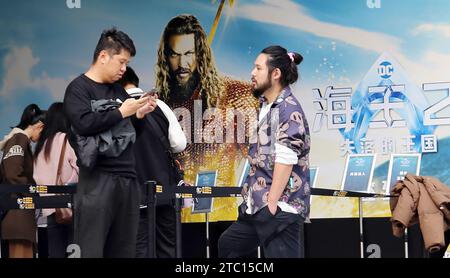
{"points": [[165, 233], [106, 215], [59, 236], [280, 235]]}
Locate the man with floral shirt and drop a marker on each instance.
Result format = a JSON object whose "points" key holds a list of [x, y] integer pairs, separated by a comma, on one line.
{"points": [[276, 192]]}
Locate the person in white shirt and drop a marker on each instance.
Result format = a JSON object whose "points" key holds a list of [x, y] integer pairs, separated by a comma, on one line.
{"points": [[160, 138]]}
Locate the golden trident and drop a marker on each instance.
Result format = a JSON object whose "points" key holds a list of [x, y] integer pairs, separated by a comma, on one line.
{"points": [[216, 20]]}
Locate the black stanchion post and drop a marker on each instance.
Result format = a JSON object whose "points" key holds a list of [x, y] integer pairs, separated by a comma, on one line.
{"points": [[72, 239], [151, 202], [208, 243], [406, 243], [361, 228], [178, 232]]}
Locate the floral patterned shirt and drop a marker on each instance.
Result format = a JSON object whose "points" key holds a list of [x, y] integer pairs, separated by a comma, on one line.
{"points": [[285, 124]]}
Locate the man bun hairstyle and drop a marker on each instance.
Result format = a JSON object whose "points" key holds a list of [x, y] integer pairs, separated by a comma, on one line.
{"points": [[286, 61]]}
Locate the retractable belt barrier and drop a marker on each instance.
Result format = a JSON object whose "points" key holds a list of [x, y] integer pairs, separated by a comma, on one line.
{"points": [[232, 191], [64, 199], [32, 200], [180, 192]]}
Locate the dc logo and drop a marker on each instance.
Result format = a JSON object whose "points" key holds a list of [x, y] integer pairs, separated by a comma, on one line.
{"points": [[73, 4], [373, 4], [385, 70]]}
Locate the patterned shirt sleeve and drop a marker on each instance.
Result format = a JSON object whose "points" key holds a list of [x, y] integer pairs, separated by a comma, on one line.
{"points": [[291, 130]]}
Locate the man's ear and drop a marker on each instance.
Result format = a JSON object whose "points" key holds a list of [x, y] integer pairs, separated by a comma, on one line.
{"points": [[103, 57], [276, 74]]}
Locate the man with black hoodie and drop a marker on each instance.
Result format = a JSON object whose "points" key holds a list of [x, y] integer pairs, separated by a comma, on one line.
{"points": [[107, 199], [159, 139]]}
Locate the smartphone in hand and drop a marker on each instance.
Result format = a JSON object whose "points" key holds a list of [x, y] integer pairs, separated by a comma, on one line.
{"points": [[151, 93], [148, 94]]}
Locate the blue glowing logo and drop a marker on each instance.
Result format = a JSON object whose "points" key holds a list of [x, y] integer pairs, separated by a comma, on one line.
{"points": [[381, 93], [385, 70]]}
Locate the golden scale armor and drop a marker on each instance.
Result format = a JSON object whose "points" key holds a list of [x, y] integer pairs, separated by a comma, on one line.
{"points": [[224, 157]]}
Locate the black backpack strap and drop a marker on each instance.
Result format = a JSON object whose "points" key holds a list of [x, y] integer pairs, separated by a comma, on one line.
{"points": [[166, 144], [160, 133]]}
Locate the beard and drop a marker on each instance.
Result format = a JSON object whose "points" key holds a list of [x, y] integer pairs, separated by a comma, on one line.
{"points": [[181, 92], [258, 92]]}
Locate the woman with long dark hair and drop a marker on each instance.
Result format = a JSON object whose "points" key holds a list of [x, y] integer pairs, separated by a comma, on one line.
{"points": [[19, 226], [56, 164]]}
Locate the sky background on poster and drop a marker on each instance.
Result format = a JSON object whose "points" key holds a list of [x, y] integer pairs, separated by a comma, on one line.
{"points": [[44, 45]]}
